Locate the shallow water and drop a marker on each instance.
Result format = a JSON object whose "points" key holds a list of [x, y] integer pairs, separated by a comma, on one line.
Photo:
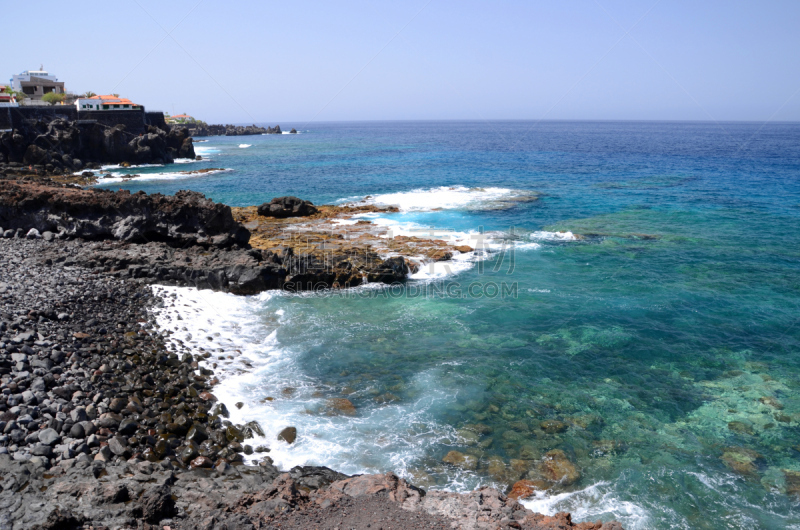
{"points": [[664, 333]]}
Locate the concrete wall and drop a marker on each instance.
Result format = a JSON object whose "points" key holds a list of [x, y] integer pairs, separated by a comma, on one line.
{"points": [[5, 118], [156, 119], [134, 120]]}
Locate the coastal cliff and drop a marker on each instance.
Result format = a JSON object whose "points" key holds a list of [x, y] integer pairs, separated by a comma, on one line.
{"points": [[62, 146]]}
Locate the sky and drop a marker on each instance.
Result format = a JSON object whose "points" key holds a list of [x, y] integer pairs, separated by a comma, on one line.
{"points": [[298, 62]]}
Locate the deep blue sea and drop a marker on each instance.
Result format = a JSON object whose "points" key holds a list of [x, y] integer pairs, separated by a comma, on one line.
{"points": [[647, 304]]}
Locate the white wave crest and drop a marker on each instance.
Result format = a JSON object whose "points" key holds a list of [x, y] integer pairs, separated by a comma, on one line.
{"points": [[117, 177], [245, 146], [449, 198], [553, 236], [118, 166], [203, 150], [597, 501]]}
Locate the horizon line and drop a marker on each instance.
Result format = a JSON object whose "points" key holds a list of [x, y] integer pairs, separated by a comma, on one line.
{"points": [[550, 120]]}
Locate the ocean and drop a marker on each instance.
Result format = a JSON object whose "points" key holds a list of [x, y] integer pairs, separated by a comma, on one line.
{"points": [[636, 306]]}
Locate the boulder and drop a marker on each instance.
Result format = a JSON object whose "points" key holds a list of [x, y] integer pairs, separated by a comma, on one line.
{"points": [[283, 207], [289, 434], [344, 406], [523, 489], [556, 467], [460, 460], [553, 426], [118, 446]]}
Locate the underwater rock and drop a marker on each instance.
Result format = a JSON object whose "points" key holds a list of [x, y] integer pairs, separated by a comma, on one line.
{"points": [[497, 469], [529, 452], [740, 427], [478, 428], [468, 437], [792, 482], [521, 467], [553, 426], [343, 406], [771, 402], [458, 459], [556, 467], [587, 420], [608, 447], [742, 460]]}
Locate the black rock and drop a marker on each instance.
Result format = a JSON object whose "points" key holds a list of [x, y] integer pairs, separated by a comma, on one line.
{"points": [[283, 207]]}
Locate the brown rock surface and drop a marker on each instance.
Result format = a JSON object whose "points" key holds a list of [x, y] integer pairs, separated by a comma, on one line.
{"points": [[460, 460], [556, 467], [523, 489], [343, 406], [288, 435]]}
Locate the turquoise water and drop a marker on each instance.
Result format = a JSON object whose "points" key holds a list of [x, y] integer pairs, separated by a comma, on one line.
{"points": [[664, 337]]}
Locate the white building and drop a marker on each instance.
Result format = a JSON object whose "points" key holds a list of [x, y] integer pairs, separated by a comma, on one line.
{"points": [[17, 80], [36, 83], [87, 104], [105, 103]]}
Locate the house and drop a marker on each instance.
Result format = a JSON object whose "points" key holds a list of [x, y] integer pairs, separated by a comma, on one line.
{"points": [[180, 118], [36, 83], [7, 99], [105, 103]]}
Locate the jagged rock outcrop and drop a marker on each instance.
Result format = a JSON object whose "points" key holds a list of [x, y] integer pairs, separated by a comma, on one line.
{"points": [[123, 494], [231, 130], [64, 146], [236, 271], [283, 207], [187, 218]]}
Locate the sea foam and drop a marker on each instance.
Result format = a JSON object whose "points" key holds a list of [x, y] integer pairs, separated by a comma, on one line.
{"points": [[598, 501], [242, 334], [125, 177], [448, 198]]}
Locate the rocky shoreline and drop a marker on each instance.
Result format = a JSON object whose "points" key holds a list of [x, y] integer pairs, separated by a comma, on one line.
{"points": [[105, 422], [104, 425], [199, 130]]}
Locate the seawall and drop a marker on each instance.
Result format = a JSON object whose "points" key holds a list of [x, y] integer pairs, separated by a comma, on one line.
{"points": [[135, 121]]}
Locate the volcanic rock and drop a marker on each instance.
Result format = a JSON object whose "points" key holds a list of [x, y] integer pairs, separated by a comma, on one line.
{"points": [[283, 207], [289, 434], [185, 218]]}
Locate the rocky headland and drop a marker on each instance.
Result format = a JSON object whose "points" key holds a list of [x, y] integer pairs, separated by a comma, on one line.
{"points": [[106, 422], [232, 130]]}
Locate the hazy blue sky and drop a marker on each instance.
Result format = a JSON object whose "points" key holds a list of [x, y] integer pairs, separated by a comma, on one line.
{"points": [[294, 62]]}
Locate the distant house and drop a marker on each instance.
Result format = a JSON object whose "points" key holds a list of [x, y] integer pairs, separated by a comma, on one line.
{"points": [[36, 83], [7, 99], [96, 103], [180, 118]]}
